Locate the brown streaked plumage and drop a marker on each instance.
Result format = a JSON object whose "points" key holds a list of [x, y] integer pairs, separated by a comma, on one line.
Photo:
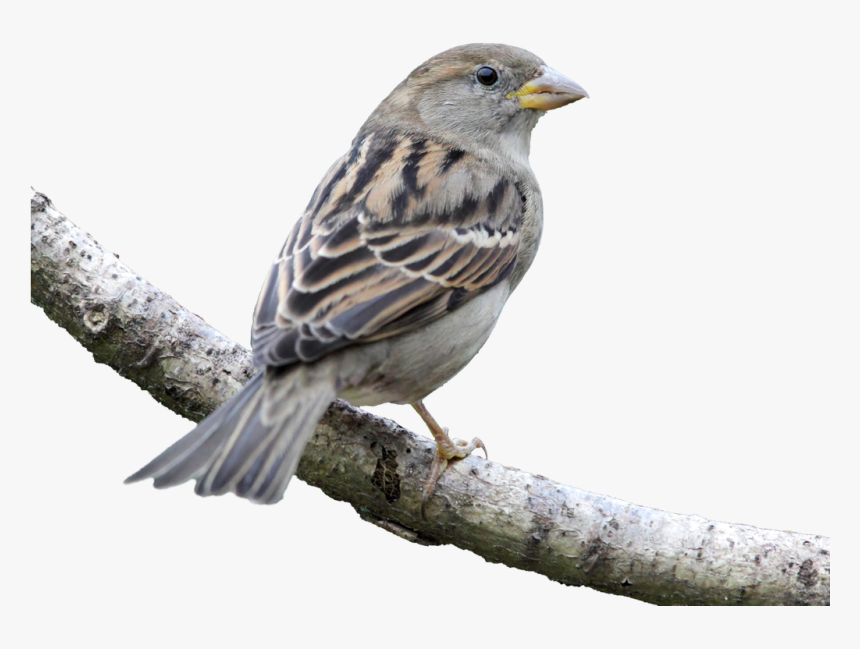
{"points": [[394, 276], [406, 225]]}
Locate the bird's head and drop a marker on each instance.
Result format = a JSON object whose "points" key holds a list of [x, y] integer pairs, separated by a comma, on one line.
{"points": [[487, 95]]}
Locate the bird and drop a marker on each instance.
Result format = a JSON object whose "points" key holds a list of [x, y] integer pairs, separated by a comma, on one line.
{"points": [[395, 274]]}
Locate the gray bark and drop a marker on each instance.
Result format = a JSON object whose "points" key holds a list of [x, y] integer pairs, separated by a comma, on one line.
{"points": [[505, 515]]}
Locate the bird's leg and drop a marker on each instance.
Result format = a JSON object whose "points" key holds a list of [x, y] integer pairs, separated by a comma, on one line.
{"points": [[446, 449]]}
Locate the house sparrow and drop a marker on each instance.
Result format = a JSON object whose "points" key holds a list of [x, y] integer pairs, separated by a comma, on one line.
{"points": [[394, 276]]}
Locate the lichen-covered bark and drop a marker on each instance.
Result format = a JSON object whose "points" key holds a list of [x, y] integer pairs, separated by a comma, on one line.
{"points": [[126, 322], [504, 515]]}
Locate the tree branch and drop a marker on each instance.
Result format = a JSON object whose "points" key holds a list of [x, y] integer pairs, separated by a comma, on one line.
{"points": [[504, 515]]}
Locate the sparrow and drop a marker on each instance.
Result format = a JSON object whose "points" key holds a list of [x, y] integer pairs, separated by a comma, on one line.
{"points": [[395, 274]]}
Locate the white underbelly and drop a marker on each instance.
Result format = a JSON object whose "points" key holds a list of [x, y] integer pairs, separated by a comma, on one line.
{"points": [[407, 368]]}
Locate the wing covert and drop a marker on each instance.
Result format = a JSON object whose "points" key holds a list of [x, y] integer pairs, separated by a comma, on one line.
{"points": [[399, 232]]}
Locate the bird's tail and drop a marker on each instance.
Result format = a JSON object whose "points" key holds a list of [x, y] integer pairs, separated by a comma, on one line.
{"points": [[252, 444]]}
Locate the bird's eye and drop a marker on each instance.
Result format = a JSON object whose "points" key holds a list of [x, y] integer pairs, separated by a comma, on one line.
{"points": [[487, 76]]}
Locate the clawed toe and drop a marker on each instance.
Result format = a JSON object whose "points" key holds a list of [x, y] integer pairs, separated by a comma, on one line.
{"points": [[467, 448], [447, 449]]}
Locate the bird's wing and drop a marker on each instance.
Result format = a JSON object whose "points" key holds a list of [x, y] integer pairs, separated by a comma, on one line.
{"points": [[400, 232]]}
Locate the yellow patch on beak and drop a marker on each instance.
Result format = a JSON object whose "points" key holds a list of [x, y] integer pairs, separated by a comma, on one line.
{"points": [[548, 90]]}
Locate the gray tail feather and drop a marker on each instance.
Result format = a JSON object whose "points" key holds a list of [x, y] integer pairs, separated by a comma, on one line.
{"points": [[252, 444]]}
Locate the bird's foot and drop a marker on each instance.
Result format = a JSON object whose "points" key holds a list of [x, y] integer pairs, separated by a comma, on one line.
{"points": [[447, 449]]}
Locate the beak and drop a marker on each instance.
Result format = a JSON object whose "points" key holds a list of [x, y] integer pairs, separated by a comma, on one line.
{"points": [[548, 90]]}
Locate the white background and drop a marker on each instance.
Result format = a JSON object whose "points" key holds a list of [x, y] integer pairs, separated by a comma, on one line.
{"points": [[686, 339]]}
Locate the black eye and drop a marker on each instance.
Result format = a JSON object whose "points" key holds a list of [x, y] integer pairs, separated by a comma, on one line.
{"points": [[487, 76]]}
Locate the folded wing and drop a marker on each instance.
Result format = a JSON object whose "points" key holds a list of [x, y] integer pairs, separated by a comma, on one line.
{"points": [[400, 232]]}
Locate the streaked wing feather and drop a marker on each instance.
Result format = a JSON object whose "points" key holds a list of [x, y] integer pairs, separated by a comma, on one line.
{"points": [[400, 232]]}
